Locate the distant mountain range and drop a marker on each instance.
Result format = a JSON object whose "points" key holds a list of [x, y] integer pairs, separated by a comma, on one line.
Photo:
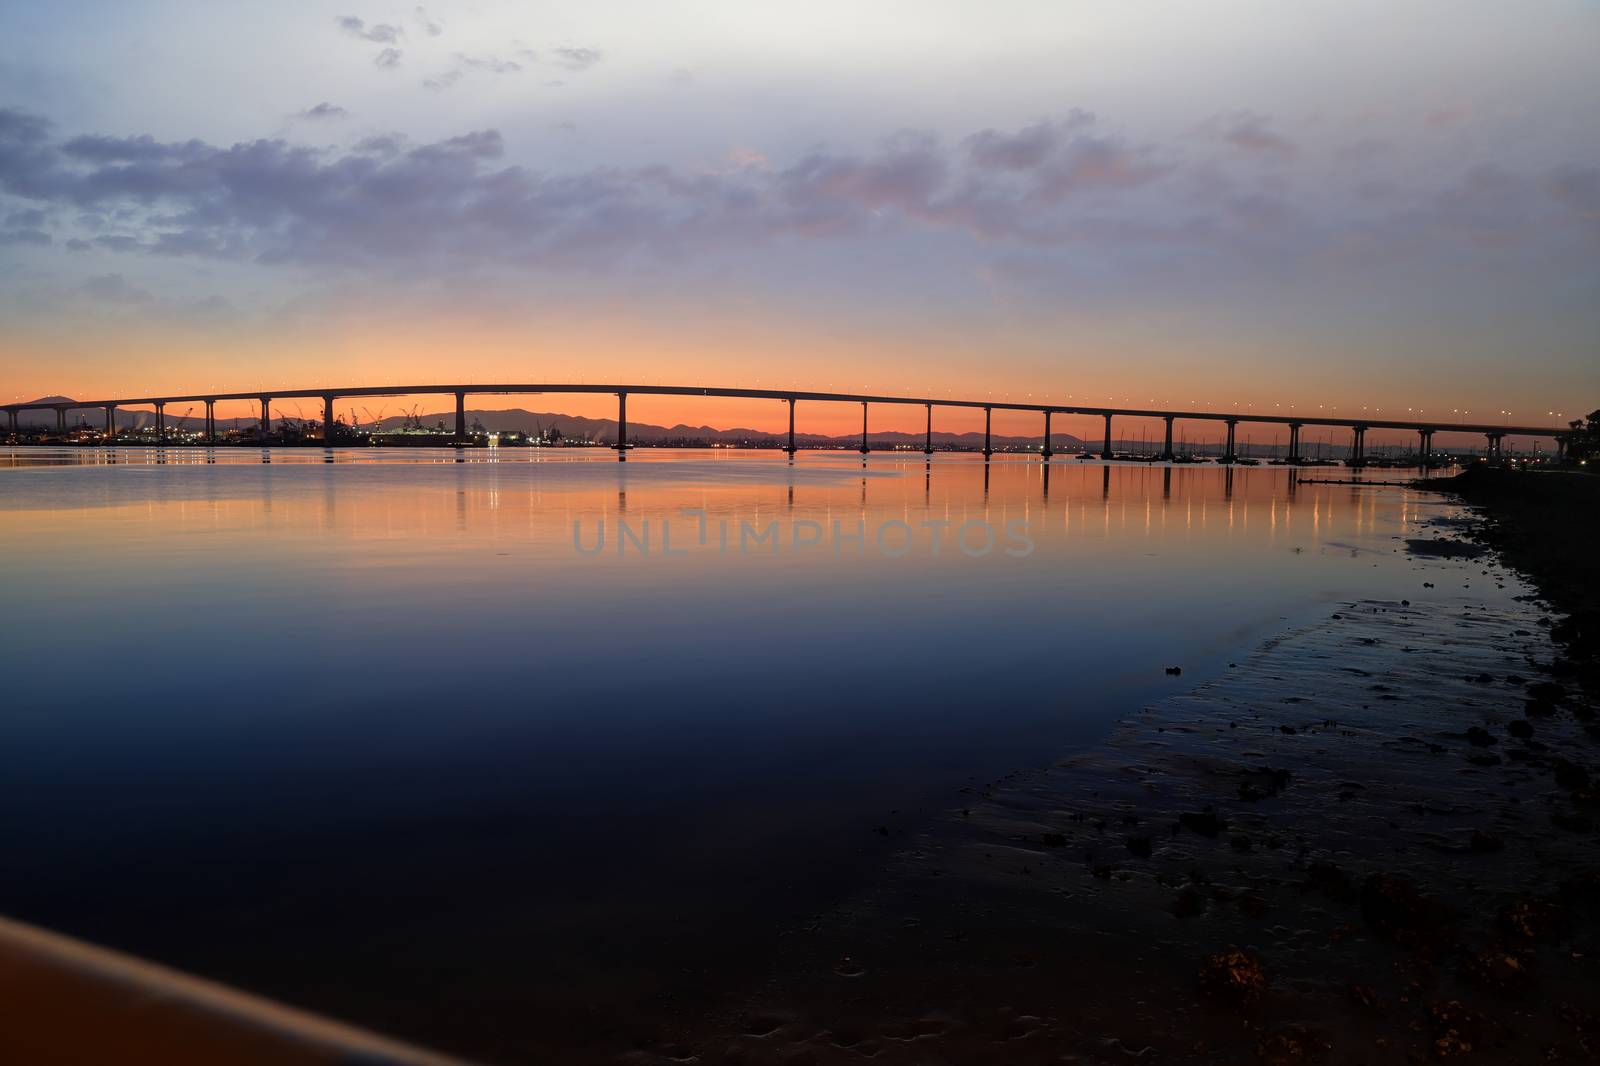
{"points": [[605, 430]]}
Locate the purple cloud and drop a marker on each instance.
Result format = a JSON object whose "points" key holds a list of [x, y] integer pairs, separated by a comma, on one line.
{"points": [[578, 58], [1062, 191], [377, 32], [1249, 133], [1028, 147], [323, 110]]}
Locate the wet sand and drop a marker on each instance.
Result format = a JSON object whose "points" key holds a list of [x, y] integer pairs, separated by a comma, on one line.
{"points": [[1372, 840], [1543, 523]]}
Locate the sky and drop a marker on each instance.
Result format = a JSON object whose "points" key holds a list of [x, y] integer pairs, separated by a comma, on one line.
{"points": [[1248, 205]]}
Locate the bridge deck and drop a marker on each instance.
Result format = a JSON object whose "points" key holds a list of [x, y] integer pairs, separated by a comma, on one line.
{"points": [[792, 394]]}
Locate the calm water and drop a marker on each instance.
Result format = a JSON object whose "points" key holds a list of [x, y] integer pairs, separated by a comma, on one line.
{"points": [[396, 737]]}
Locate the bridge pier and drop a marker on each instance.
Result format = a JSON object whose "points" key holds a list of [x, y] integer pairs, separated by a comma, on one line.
{"points": [[61, 419], [1561, 447], [266, 416], [461, 418], [622, 426], [863, 427], [1230, 456], [790, 449], [211, 421], [13, 415], [1358, 447], [1046, 450], [927, 439], [1166, 447], [988, 420], [161, 423], [1495, 450], [1106, 452], [327, 421], [111, 422], [1293, 458], [1424, 448]]}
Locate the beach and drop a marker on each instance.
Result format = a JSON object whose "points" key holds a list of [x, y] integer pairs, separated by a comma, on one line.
{"points": [[1371, 840]]}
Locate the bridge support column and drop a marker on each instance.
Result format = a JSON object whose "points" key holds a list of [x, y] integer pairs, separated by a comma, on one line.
{"points": [[1106, 452], [111, 422], [1424, 448], [1561, 446], [211, 421], [988, 421], [61, 419], [863, 427], [1046, 451], [1166, 447], [461, 418], [1358, 446], [622, 427], [266, 416], [1230, 455], [791, 428], [1293, 457], [927, 439], [161, 423], [327, 420], [1494, 452], [13, 415]]}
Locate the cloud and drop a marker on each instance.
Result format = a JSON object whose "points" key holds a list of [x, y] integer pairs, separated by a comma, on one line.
{"points": [[828, 192], [440, 82], [25, 226], [1249, 133], [1066, 199], [489, 64], [323, 110], [389, 57], [427, 24], [26, 157], [492, 64], [377, 32], [1097, 164], [114, 289], [577, 58], [1577, 188], [480, 144], [1026, 148], [17, 127], [383, 144]]}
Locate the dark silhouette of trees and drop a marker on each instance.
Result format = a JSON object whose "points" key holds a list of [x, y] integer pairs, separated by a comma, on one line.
{"points": [[1583, 443]]}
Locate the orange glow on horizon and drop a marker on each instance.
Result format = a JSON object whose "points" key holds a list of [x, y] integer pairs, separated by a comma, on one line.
{"points": [[103, 359]]}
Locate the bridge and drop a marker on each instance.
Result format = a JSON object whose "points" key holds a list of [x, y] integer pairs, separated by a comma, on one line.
{"points": [[1425, 430]]}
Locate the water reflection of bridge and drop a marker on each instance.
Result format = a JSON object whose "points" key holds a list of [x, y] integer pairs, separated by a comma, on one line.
{"points": [[1425, 430]]}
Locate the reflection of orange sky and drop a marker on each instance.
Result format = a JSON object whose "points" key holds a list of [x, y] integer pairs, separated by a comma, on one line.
{"points": [[98, 360], [514, 496]]}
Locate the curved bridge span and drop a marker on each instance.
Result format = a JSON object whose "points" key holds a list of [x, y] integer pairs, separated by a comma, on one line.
{"points": [[1358, 426]]}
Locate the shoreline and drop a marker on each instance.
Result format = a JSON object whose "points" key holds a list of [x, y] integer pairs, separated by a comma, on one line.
{"points": [[1543, 524], [1371, 840]]}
